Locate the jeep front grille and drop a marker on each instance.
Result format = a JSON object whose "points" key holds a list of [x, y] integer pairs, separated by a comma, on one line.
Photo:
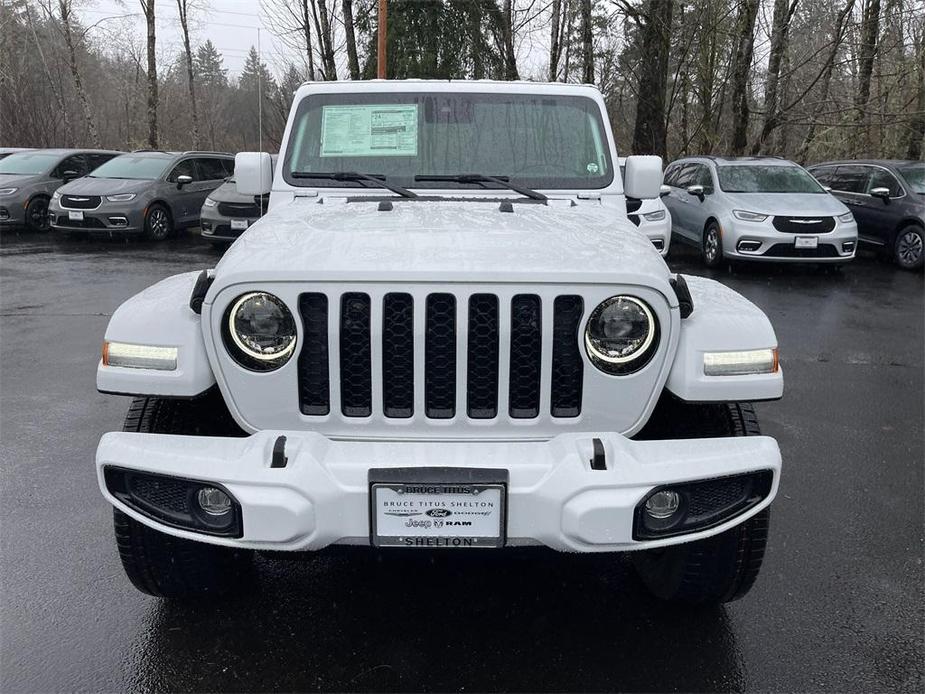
{"points": [[477, 367]]}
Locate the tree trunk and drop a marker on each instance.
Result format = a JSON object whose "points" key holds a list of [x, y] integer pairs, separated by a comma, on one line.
{"points": [[507, 33], [917, 126], [870, 31], [780, 33], [147, 7], [307, 34], [327, 44], [555, 46], [649, 133], [65, 9], [745, 47], [353, 62], [183, 10], [587, 45], [475, 44]]}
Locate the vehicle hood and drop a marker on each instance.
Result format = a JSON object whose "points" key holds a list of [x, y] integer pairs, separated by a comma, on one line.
{"points": [[443, 241], [788, 204], [16, 180], [103, 186], [228, 192]]}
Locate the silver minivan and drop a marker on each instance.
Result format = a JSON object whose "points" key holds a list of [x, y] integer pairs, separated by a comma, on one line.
{"points": [[757, 208]]}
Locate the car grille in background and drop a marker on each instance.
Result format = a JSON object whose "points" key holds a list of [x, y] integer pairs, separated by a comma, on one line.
{"points": [[239, 209], [80, 202], [441, 362], [804, 225], [85, 223], [787, 250]]}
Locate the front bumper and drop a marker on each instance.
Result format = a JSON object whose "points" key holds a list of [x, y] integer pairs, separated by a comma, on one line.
{"points": [[659, 233], [12, 212], [321, 496], [217, 227], [765, 243], [109, 217]]}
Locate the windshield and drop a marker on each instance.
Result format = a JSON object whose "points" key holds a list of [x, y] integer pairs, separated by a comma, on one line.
{"points": [[29, 163], [754, 178], [915, 176], [134, 166], [535, 141]]}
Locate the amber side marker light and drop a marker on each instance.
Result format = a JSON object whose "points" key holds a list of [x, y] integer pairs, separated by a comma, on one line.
{"points": [[132, 356], [741, 363]]}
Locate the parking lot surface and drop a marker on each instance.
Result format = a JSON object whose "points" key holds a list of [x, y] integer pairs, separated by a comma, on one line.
{"points": [[839, 605]]}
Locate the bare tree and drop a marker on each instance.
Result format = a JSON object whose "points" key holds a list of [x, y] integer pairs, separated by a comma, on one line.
{"points": [[555, 39], [183, 8], [292, 24], [870, 32], [353, 62], [323, 28], [65, 8], [780, 31], [507, 37], [147, 7], [917, 127], [587, 43], [745, 47], [649, 133]]}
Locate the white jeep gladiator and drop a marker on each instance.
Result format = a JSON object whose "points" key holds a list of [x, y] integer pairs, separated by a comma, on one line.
{"points": [[445, 333]]}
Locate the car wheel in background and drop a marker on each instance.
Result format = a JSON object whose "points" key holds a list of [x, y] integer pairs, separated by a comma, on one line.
{"points": [[37, 214], [712, 249], [909, 248], [158, 225]]}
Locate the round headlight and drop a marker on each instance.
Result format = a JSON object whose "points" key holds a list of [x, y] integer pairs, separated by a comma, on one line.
{"points": [[261, 330], [621, 333]]}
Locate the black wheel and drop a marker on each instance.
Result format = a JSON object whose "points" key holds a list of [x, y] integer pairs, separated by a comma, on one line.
{"points": [[163, 565], [909, 248], [37, 215], [158, 224], [712, 249], [718, 569]]}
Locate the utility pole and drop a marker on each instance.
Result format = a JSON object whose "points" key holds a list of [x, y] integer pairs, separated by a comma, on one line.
{"points": [[382, 30]]}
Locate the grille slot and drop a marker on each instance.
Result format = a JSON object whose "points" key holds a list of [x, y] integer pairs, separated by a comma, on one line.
{"points": [[238, 209], [398, 355], [355, 361], [314, 381], [482, 361], [804, 225], [526, 356], [567, 366], [440, 357]]}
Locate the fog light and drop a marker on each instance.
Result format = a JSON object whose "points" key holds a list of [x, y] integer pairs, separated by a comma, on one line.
{"points": [[213, 501], [663, 504]]}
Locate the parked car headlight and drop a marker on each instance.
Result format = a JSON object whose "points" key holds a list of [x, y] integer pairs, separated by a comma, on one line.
{"points": [[8, 191], [210, 202], [260, 331], [121, 197], [621, 335], [846, 218], [656, 216], [746, 216]]}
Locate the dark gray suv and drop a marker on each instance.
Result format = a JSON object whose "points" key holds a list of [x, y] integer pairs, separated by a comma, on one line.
{"points": [[150, 193], [29, 179], [887, 198]]}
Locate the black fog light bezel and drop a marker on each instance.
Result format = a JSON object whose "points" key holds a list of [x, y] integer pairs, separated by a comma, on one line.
{"points": [[848, 246], [743, 242], [119, 484], [757, 487], [659, 244]]}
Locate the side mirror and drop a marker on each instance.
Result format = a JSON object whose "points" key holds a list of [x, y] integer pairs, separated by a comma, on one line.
{"points": [[695, 190], [882, 193], [663, 191], [253, 173], [643, 178], [69, 175], [183, 180]]}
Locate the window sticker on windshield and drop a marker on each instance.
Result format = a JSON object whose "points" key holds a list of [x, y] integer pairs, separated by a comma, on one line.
{"points": [[369, 131]]}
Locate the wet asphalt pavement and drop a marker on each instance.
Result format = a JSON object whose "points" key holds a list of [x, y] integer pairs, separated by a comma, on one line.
{"points": [[839, 605]]}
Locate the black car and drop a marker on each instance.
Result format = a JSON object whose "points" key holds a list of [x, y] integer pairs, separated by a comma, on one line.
{"points": [[887, 198]]}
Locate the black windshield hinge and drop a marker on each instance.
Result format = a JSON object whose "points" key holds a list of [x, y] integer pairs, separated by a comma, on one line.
{"points": [[506, 206], [685, 301], [203, 282], [279, 458], [599, 459]]}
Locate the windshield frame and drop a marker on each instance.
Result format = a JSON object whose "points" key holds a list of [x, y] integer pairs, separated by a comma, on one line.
{"points": [[53, 161], [167, 160], [317, 100], [751, 165]]}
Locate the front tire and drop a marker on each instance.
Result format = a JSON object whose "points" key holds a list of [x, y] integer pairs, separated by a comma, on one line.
{"points": [[909, 248], [37, 215], [721, 568], [712, 249], [158, 224], [163, 565]]}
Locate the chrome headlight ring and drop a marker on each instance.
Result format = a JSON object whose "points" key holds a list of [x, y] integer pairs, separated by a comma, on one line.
{"points": [[259, 331], [621, 335]]}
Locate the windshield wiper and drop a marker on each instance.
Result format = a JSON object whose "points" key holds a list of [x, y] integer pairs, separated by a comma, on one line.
{"points": [[378, 179], [482, 178]]}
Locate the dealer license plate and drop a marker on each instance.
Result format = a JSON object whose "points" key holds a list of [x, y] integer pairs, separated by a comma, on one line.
{"points": [[431, 514], [239, 224], [75, 216], [806, 242]]}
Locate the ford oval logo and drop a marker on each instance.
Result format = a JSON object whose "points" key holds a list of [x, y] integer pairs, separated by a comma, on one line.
{"points": [[438, 513]]}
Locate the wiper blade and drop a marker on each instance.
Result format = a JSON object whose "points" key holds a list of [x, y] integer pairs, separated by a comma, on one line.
{"points": [[378, 179], [482, 178]]}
